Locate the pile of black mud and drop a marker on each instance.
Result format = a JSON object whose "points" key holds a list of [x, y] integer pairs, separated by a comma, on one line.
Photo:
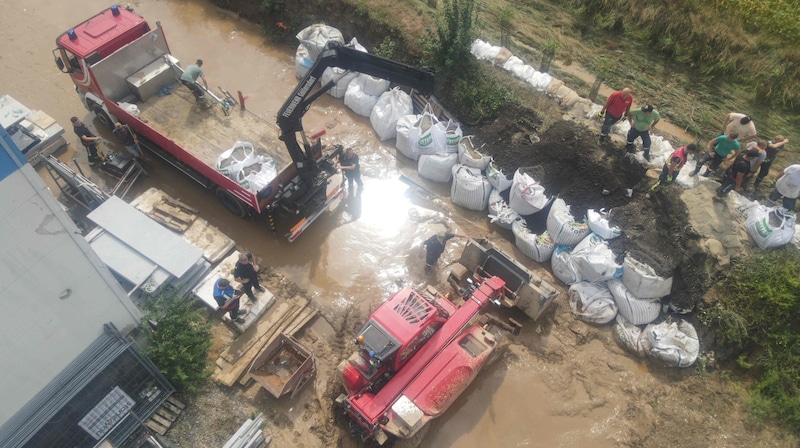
{"points": [[571, 163]]}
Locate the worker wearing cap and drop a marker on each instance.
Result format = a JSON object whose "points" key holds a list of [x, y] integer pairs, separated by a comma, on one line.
{"points": [[735, 174], [434, 247], [642, 122]]}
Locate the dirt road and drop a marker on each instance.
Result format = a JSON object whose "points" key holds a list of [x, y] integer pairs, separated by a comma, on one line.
{"points": [[562, 382]]}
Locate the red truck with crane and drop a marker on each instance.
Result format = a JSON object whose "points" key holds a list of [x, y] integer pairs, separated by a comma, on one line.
{"points": [[116, 58], [416, 354]]}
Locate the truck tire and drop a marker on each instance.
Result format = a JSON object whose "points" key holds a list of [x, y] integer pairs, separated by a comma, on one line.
{"points": [[231, 203], [103, 117]]}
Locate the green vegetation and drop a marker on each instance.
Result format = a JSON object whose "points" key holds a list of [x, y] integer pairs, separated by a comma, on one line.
{"points": [[180, 341], [759, 314]]}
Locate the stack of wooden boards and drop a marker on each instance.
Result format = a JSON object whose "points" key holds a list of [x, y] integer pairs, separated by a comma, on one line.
{"points": [[286, 316], [165, 416]]}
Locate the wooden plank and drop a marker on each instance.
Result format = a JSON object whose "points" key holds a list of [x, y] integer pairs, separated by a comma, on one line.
{"points": [[180, 205], [166, 414], [174, 402], [222, 364], [156, 427], [300, 322], [231, 375], [251, 335], [161, 420]]}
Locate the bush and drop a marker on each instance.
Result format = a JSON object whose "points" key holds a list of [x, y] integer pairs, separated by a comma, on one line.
{"points": [[180, 342], [759, 313]]}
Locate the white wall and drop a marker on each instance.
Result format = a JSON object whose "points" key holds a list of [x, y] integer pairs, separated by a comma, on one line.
{"points": [[55, 292]]}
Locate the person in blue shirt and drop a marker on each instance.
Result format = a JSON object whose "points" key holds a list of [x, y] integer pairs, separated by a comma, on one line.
{"points": [[228, 299]]}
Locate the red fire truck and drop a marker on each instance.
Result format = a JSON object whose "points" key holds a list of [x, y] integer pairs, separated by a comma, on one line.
{"points": [[116, 57]]}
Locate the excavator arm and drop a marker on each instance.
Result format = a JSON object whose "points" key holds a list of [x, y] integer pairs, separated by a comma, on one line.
{"points": [[337, 55]]}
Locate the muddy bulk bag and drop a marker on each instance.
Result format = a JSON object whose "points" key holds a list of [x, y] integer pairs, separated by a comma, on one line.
{"points": [[470, 188], [595, 260], [358, 100], [233, 160], [499, 212], [527, 195], [562, 266], [315, 37], [342, 79], [628, 336], [598, 223], [538, 248], [634, 310], [438, 168], [770, 227], [499, 181], [674, 344], [469, 156], [404, 128], [592, 302], [642, 280], [390, 107], [562, 225]]}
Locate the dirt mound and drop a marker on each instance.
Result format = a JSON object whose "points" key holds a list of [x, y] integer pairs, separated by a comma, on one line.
{"points": [[571, 163]]}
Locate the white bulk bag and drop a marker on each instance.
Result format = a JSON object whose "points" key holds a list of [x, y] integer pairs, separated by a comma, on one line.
{"points": [[642, 280], [562, 225], [302, 61], [770, 227], [468, 155], [499, 211], [527, 195], [257, 174], [354, 44], [403, 142], [635, 311], [592, 302], [675, 344], [316, 36], [562, 266], [438, 168], [390, 107], [598, 223], [344, 77], [430, 136], [357, 100], [594, 260], [499, 181], [373, 86], [451, 131], [232, 160], [628, 336], [470, 188], [538, 248]]}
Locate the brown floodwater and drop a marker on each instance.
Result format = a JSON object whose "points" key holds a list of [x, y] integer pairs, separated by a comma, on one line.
{"points": [[354, 257]]}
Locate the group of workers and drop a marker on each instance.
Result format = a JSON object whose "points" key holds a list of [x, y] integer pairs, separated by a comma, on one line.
{"points": [[751, 162], [228, 298]]}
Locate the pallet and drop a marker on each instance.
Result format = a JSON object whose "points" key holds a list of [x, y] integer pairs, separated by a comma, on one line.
{"points": [[164, 417]]}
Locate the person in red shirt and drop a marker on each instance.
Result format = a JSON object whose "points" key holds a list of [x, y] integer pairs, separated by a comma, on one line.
{"points": [[617, 106]]}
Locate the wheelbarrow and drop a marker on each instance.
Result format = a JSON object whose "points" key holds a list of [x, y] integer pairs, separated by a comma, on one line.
{"points": [[283, 367]]}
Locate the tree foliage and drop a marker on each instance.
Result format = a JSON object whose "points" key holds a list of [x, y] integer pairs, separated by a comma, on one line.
{"points": [[760, 313], [180, 342], [450, 43]]}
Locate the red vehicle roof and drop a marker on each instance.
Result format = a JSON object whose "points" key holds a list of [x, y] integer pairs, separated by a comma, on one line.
{"points": [[104, 33]]}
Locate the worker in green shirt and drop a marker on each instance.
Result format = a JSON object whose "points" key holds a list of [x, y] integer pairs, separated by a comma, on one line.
{"points": [[642, 122], [189, 79], [720, 148]]}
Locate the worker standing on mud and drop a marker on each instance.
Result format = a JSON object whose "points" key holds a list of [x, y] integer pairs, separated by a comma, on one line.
{"points": [[617, 106], [773, 148], [189, 79], [642, 122], [348, 162], [673, 165], [128, 139], [246, 273], [741, 125], [88, 140], [433, 248], [788, 187], [735, 174], [720, 148]]}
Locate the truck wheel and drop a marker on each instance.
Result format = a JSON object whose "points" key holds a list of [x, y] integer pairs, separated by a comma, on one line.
{"points": [[103, 117], [231, 203]]}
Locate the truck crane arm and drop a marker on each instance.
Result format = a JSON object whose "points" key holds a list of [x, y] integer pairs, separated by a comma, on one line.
{"points": [[337, 55]]}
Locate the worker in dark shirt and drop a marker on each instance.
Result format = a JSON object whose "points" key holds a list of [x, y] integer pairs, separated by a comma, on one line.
{"points": [[88, 140], [128, 139], [348, 162], [246, 273], [736, 173], [434, 246]]}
